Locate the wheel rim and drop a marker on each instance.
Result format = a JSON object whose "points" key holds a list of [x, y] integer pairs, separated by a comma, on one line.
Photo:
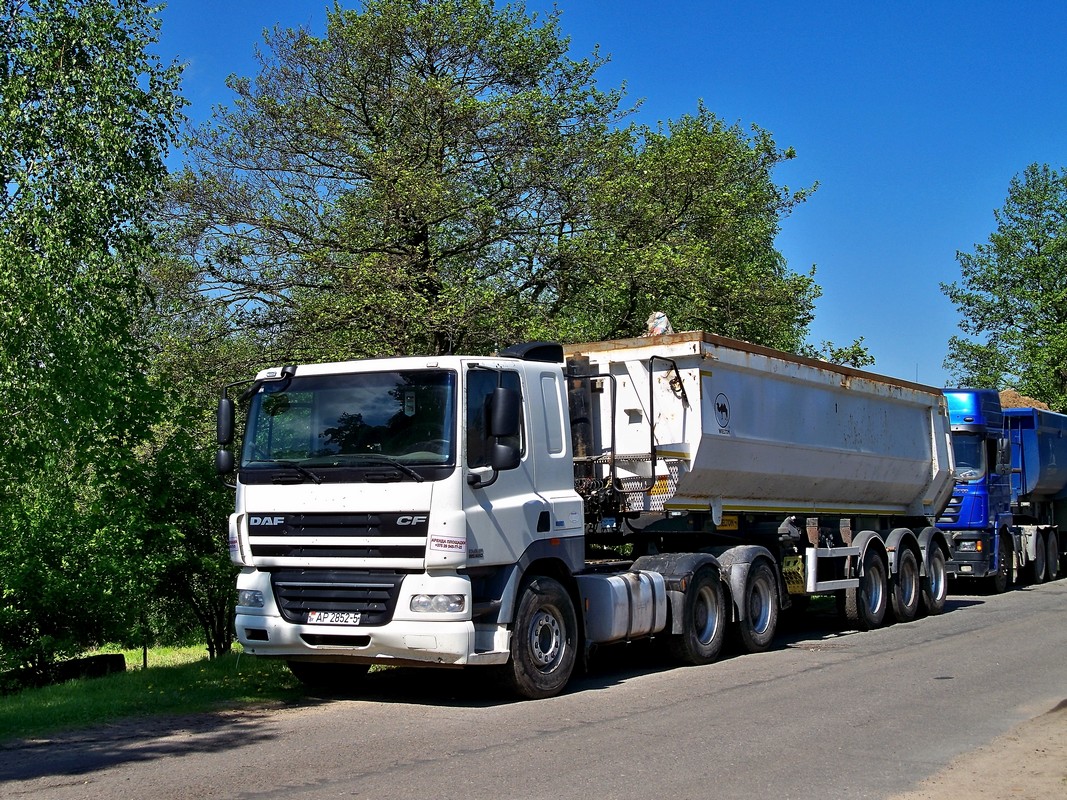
{"points": [[874, 588], [909, 582], [705, 615], [759, 605], [936, 574], [546, 639]]}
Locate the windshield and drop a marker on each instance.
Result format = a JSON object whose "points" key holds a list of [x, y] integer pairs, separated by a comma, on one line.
{"points": [[969, 454], [381, 420]]}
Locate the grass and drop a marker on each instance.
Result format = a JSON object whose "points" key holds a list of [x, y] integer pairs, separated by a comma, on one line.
{"points": [[177, 681]]}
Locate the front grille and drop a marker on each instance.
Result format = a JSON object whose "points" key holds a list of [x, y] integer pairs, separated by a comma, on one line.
{"points": [[391, 541], [372, 594], [951, 514]]}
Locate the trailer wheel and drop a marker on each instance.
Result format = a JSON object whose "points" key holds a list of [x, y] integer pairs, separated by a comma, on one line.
{"points": [[544, 641], [935, 584], [1052, 557], [866, 604], [703, 620], [757, 629], [329, 676], [904, 597], [1004, 578], [1039, 567]]}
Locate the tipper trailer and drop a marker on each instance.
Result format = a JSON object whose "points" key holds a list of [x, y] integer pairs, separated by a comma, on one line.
{"points": [[1010, 498], [516, 510]]}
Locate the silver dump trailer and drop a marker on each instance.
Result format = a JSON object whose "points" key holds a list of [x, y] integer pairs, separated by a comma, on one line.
{"points": [[732, 427], [799, 477]]}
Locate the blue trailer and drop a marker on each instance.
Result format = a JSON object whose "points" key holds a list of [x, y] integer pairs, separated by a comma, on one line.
{"points": [[1039, 486], [1010, 495]]}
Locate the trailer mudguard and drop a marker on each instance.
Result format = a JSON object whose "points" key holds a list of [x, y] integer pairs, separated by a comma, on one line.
{"points": [[897, 539], [934, 537], [865, 540]]}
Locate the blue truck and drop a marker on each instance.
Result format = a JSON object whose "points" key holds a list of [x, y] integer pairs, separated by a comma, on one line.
{"points": [[1010, 497]]}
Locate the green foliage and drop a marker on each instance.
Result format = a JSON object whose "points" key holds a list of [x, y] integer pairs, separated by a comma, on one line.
{"points": [[1012, 298], [176, 682], [87, 116], [440, 176]]}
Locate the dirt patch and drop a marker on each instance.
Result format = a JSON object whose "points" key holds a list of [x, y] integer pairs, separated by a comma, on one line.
{"points": [[1028, 762]]}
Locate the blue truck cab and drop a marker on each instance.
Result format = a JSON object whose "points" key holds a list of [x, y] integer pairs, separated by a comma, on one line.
{"points": [[978, 517]]}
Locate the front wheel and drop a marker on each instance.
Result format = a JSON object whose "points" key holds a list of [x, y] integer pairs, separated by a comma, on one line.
{"points": [[544, 640], [756, 630], [935, 584], [1005, 575], [904, 599], [703, 620]]}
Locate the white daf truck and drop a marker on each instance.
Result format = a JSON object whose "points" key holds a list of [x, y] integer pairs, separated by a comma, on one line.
{"points": [[514, 511]]}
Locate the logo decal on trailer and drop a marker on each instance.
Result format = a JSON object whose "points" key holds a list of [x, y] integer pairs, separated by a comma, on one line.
{"points": [[722, 410]]}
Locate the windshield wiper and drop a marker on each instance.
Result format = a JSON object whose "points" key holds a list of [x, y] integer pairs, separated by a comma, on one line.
{"points": [[394, 463], [291, 465]]}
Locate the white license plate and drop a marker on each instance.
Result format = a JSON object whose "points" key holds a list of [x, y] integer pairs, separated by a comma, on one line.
{"points": [[334, 617]]}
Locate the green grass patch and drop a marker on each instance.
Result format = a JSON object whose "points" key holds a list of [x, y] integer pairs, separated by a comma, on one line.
{"points": [[177, 681]]}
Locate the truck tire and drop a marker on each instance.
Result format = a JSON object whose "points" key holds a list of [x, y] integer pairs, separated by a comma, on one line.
{"points": [[544, 640], [1052, 557], [935, 584], [756, 630], [1005, 575], [907, 587], [1039, 567], [703, 620], [328, 676], [866, 604]]}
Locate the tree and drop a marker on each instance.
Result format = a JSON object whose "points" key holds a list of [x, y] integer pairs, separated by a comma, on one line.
{"points": [[439, 176], [87, 116], [682, 220], [1012, 298]]}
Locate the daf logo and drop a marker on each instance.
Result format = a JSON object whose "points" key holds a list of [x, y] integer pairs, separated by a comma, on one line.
{"points": [[266, 520], [410, 520]]}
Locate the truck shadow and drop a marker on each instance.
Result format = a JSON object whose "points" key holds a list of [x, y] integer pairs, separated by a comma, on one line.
{"points": [[608, 665]]}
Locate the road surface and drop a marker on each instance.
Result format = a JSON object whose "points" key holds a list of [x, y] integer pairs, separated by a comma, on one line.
{"points": [[828, 713]]}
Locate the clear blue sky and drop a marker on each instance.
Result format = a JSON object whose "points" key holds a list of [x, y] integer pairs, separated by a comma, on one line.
{"points": [[912, 116]]}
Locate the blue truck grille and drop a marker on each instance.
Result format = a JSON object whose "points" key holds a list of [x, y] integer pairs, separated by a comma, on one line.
{"points": [[951, 514]]}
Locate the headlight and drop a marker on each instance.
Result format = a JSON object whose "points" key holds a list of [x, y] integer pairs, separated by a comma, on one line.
{"points": [[969, 547], [250, 598], [439, 603]]}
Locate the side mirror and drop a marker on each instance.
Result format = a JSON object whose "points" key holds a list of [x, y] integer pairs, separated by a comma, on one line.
{"points": [[224, 462], [504, 412], [224, 421], [503, 457]]}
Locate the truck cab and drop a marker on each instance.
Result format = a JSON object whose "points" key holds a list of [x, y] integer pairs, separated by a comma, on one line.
{"points": [[978, 516]]}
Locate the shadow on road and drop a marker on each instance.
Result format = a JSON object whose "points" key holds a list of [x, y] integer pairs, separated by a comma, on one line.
{"points": [[129, 741], [146, 739]]}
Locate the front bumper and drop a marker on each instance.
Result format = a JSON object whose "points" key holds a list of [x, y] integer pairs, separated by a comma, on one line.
{"points": [[400, 641]]}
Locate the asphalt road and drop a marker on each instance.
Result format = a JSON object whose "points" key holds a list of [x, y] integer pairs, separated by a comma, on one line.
{"points": [[829, 713]]}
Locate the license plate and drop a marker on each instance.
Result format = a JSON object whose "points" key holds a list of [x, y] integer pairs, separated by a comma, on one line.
{"points": [[334, 617]]}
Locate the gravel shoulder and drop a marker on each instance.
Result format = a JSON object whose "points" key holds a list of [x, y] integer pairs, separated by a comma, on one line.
{"points": [[1028, 762]]}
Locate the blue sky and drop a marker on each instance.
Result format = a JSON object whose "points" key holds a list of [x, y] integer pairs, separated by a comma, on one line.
{"points": [[912, 116]]}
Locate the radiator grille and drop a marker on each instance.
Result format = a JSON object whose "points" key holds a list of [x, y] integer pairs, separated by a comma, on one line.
{"points": [[373, 595]]}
